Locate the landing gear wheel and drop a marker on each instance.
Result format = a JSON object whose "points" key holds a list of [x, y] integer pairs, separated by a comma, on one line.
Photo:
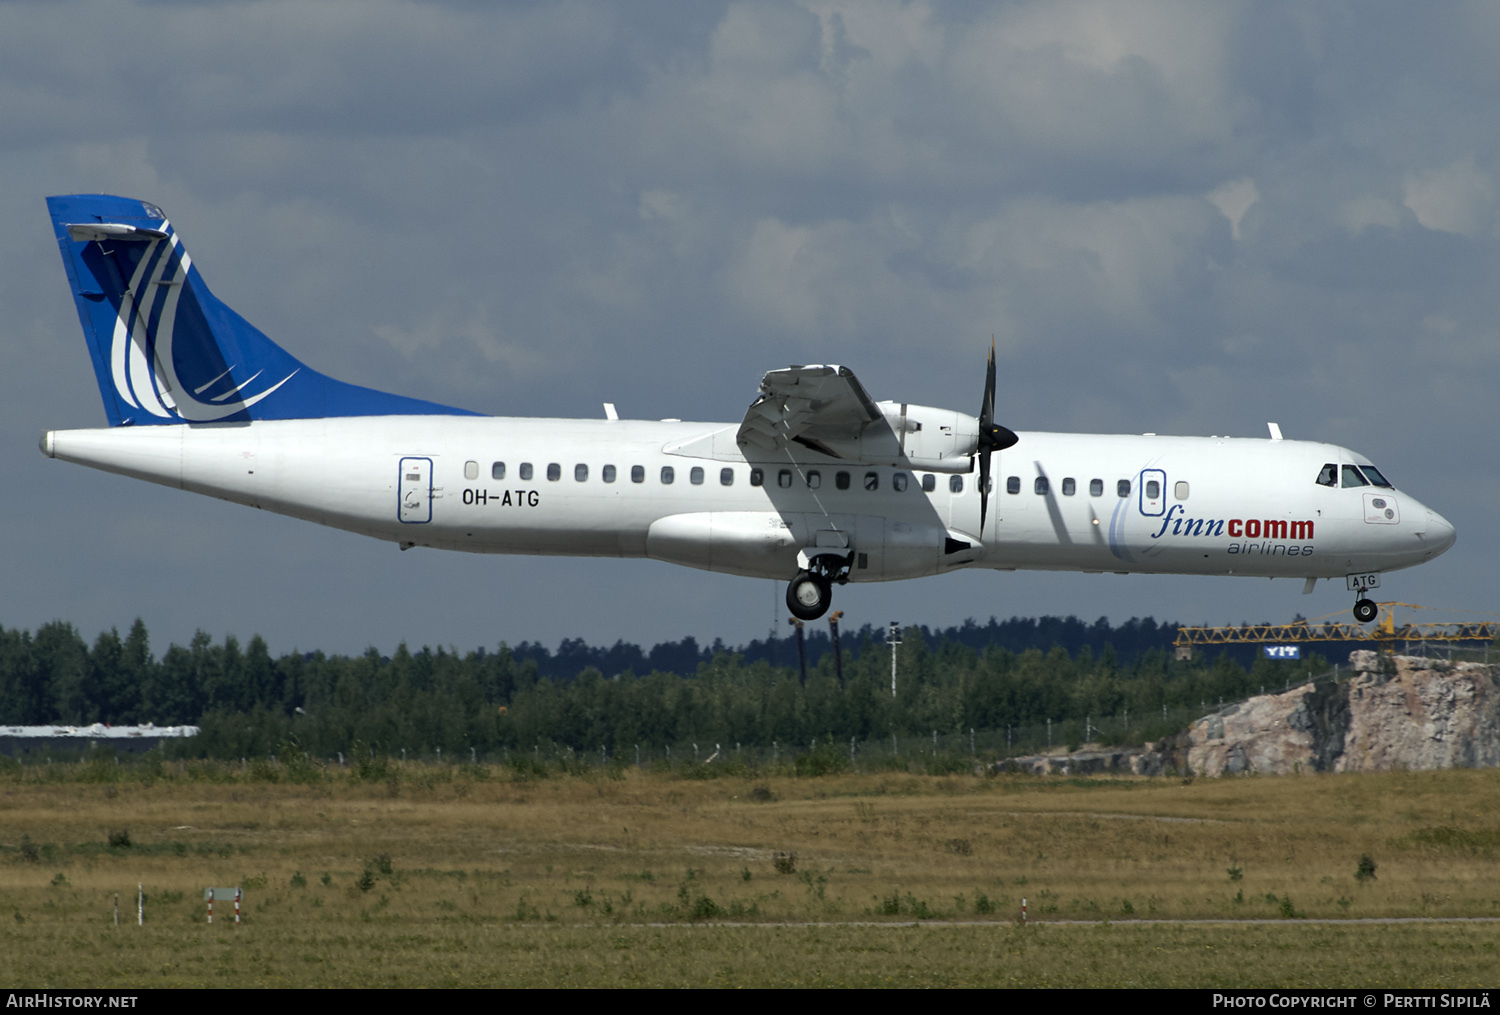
{"points": [[1365, 611], [808, 596]]}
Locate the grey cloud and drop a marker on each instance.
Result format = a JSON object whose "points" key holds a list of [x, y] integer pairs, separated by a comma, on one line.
{"points": [[534, 208]]}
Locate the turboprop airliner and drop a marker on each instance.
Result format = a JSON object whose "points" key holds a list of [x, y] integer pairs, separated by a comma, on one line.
{"points": [[817, 485]]}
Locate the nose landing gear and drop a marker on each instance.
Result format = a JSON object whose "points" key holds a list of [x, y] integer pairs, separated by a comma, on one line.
{"points": [[810, 593], [1365, 609]]}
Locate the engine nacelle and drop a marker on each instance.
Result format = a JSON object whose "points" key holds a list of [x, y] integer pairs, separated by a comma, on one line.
{"points": [[926, 438]]}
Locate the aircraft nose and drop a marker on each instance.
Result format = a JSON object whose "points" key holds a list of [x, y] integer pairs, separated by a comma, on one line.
{"points": [[1440, 534]]}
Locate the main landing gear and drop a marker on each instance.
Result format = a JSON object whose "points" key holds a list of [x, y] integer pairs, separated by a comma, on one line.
{"points": [[810, 593]]}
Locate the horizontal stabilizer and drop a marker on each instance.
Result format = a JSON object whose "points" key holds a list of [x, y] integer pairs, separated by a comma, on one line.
{"points": [[84, 232]]}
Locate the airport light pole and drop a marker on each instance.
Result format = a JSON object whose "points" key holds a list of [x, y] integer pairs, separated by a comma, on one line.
{"points": [[893, 639]]}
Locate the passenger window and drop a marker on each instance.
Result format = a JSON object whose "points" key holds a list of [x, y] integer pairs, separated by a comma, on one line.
{"points": [[898, 481], [929, 483], [1040, 486], [608, 474], [1352, 477], [1069, 487], [667, 475], [696, 476], [1096, 488], [526, 470], [841, 480], [1122, 488], [497, 471], [637, 473], [580, 472], [1328, 475], [1373, 474], [471, 470], [1153, 490], [872, 481], [1013, 484], [784, 478], [726, 477], [1180, 491], [757, 477], [814, 479], [554, 472], [955, 484]]}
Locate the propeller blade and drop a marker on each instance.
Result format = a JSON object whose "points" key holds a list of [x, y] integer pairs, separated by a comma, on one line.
{"points": [[992, 438], [987, 406], [984, 490]]}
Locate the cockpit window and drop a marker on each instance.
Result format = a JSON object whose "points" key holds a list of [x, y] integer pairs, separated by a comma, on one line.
{"points": [[1352, 477], [1374, 476], [1329, 476]]}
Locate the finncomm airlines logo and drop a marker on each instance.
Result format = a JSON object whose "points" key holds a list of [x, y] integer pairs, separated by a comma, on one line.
{"points": [[1296, 534]]}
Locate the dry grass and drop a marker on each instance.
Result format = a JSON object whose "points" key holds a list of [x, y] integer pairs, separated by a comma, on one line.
{"points": [[442, 879]]}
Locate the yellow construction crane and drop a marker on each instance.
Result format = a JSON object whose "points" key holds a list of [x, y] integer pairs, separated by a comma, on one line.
{"points": [[1383, 634]]}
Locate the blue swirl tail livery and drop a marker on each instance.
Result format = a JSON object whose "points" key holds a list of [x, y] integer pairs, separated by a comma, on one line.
{"points": [[165, 350], [818, 485]]}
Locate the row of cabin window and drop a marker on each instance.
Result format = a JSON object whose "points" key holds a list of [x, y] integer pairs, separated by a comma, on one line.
{"points": [[1041, 486], [784, 477], [814, 479]]}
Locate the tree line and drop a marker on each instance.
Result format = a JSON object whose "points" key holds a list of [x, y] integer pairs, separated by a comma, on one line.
{"points": [[250, 704]]}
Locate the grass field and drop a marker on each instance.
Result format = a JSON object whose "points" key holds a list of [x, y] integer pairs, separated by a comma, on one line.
{"points": [[461, 876]]}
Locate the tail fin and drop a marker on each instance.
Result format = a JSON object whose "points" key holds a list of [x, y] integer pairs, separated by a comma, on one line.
{"points": [[165, 350]]}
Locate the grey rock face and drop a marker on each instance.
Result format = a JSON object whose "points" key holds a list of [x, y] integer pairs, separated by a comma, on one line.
{"points": [[1395, 712], [1421, 714]]}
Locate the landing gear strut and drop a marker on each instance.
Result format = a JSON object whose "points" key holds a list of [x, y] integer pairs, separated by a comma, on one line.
{"points": [[1365, 610], [810, 593]]}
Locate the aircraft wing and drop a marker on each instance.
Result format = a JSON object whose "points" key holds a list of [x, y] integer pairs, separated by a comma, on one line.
{"points": [[810, 405]]}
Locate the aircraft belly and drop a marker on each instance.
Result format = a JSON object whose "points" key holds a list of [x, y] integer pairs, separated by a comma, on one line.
{"points": [[765, 544], [761, 544]]}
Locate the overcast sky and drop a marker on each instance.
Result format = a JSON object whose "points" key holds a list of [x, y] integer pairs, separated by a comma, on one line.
{"points": [[1177, 218]]}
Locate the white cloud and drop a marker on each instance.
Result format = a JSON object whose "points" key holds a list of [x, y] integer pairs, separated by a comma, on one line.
{"points": [[1234, 199], [1457, 198]]}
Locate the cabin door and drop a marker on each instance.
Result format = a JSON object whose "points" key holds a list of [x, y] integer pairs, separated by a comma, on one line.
{"points": [[1153, 492], [415, 486]]}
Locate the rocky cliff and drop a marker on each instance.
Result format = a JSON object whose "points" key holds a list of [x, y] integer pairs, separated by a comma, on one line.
{"points": [[1393, 712]]}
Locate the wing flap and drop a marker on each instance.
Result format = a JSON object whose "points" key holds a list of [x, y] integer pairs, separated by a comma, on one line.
{"points": [[822, 403]]}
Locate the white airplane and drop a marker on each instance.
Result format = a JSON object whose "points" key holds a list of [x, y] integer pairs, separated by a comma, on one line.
{"points": [[817, 485]]}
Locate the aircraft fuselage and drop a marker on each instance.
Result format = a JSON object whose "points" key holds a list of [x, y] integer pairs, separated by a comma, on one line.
{"points": [[626, 488]]}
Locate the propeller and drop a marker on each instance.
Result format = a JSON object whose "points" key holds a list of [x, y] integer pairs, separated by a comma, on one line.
{"points": [[992, 438]]}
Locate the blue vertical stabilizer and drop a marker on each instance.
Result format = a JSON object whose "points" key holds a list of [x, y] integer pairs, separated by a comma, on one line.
{"points": [[165, 350]]}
